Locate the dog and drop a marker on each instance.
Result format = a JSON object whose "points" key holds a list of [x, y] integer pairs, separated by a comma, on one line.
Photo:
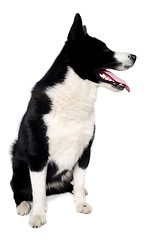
{"points": [[52, 152]]}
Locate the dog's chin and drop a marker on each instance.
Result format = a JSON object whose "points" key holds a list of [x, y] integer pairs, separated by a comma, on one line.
{"points": [[110, 87]]}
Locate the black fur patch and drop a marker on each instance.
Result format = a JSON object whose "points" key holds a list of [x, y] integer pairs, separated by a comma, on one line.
{"points": [[85, 158], [20, 182], [51, 171]]}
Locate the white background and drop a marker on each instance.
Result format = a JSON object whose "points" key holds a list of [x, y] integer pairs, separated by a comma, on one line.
{"points": [[123, 179]]}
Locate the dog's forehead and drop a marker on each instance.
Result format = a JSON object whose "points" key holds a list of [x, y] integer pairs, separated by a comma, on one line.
{"points": [[96, 43]]}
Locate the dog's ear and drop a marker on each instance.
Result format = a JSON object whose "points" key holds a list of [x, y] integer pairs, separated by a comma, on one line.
{"points": [[85, 29], [77, 30]]}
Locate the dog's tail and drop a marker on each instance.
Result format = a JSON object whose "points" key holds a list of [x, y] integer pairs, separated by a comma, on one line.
{"points": [[67, 187]]}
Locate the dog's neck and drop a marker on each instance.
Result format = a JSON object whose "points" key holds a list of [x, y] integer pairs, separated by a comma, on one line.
{"points": [[74, 97]]}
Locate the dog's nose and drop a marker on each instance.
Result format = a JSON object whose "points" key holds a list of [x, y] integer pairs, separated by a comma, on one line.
{"points": [[132, 57]]}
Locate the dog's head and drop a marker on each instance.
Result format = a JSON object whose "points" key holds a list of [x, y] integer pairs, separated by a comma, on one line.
{"points": [[91, 58]]}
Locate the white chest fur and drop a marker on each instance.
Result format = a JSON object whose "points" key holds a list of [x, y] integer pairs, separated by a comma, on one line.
{"points": [[70, 123]]}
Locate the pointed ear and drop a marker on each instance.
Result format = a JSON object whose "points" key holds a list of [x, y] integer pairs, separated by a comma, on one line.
{"points": [[77, 30], [85, 29]]}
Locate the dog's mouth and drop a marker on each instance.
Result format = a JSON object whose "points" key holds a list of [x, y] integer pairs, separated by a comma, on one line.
{"points": [[109, 78]]}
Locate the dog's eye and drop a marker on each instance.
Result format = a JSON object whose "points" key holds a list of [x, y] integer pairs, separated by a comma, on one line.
{"points": [[105, 49]]}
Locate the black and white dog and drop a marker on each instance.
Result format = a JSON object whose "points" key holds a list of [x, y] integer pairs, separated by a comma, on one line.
{"points": [[54, 142]]}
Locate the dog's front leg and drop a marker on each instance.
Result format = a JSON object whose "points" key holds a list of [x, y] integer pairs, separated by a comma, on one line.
{"points": [[38, 215], [79, 190], [79, 175]]}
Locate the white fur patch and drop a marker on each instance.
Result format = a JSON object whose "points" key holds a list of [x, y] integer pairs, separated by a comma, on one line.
{"points": [[38, 180], [124, 59], [23, 208], [79, 191], [83, 208], [37, 221], [70, 123]]}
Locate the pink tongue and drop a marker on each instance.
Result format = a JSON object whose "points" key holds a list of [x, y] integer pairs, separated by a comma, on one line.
{"points": [[115, 78]]}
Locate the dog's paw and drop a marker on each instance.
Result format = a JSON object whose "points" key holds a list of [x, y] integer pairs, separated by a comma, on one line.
{"points": [[37, 221], [23, 208], [83, 208]]}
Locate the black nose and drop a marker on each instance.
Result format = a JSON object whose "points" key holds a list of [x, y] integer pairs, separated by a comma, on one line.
{"points": [[132, 57]]}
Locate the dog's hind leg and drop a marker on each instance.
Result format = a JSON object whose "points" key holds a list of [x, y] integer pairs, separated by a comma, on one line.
{"points": [[23, 208], [21, 186]]}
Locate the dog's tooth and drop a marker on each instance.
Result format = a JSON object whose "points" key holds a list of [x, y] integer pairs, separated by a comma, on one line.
{"points": [[101, 75]]}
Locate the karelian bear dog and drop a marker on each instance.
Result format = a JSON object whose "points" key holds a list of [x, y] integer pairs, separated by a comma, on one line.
{"points": [[52, 152]]}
